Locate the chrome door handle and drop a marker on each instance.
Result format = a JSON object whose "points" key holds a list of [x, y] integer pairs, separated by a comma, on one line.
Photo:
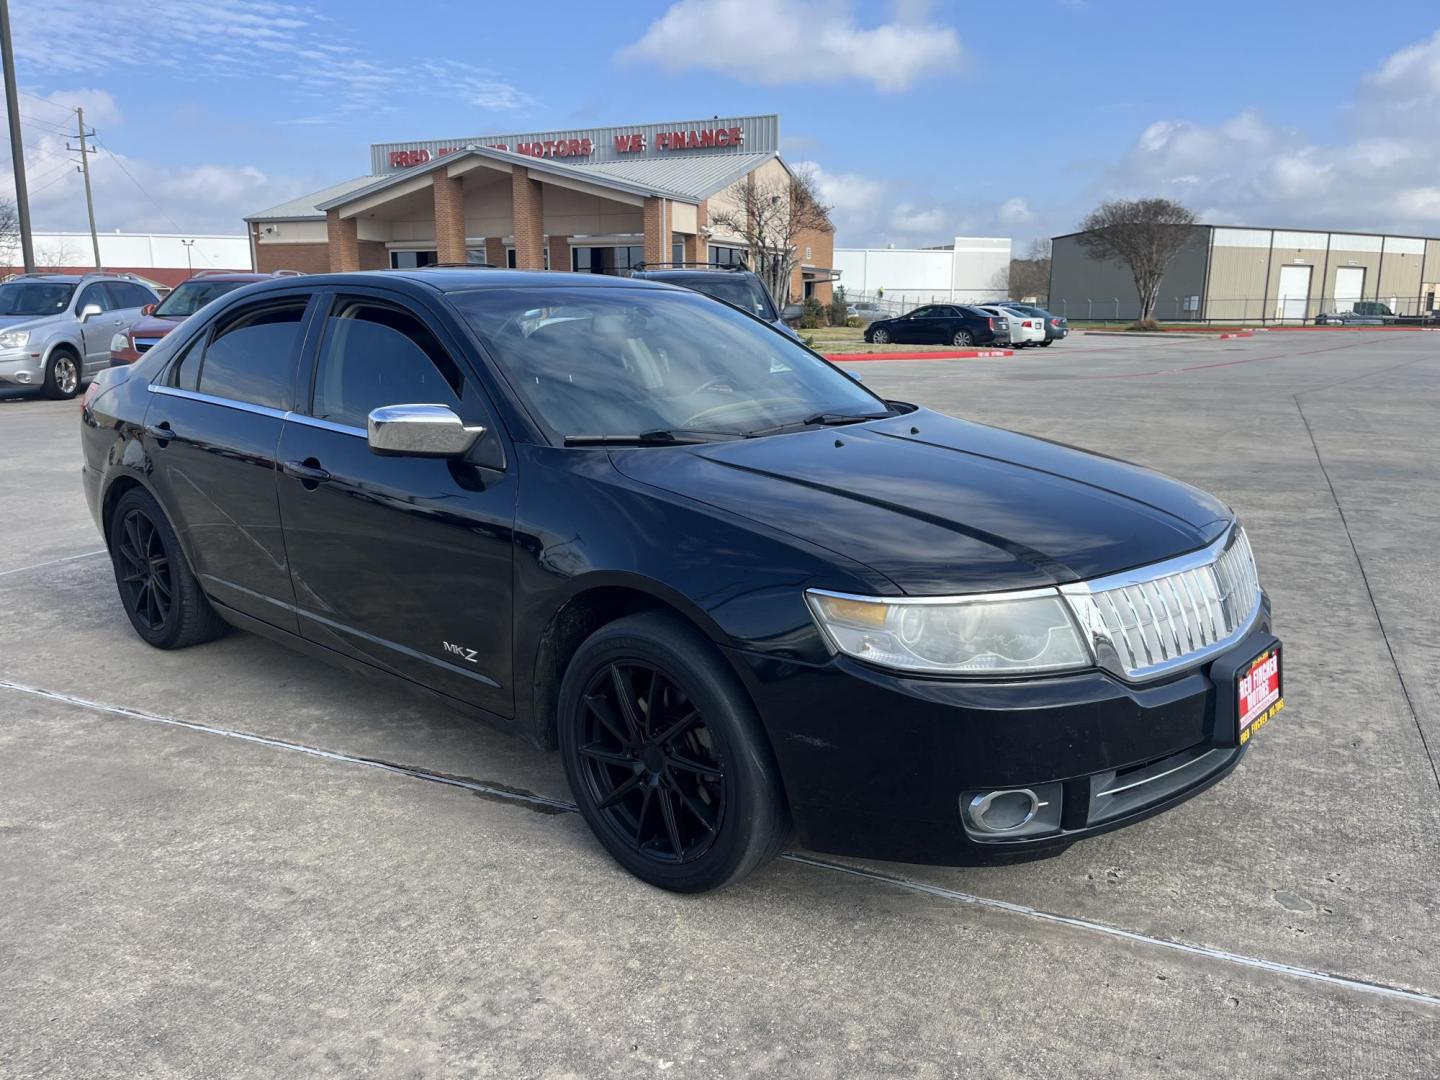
{"points": [[307, 474], [161, 432]]}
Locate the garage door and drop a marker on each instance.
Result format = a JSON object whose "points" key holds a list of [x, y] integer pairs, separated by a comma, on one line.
{"points": [[1294, 295], [1349, 287]]}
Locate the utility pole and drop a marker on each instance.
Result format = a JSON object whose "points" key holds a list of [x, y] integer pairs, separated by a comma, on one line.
{"points": [[85, 153], [17, 148], [188, 245]]}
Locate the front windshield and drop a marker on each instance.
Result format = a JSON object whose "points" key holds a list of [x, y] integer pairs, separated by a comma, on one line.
{"points": [[35, 297], [745, 293], [629, 361], [190, 296]]}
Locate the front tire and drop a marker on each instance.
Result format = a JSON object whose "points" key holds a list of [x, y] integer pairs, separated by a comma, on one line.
{"points": [[161, 596], [963, 339], [62, 375], [666, 757], [880, 336], [1045, 344]]}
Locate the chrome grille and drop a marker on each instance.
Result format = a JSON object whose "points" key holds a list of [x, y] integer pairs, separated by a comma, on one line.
{"points": [[1165, 616]]}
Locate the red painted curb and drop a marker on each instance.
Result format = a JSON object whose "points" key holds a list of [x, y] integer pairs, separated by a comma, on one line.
{"points": [[964, 354], [1242, 333]]}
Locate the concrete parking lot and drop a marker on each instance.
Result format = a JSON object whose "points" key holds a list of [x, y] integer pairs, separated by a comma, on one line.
{"points": [[231, 861]]}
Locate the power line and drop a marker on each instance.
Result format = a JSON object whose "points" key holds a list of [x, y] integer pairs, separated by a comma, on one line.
{"points": [[173, 223]]}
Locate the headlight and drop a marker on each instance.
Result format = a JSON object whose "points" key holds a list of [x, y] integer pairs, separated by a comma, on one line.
{"points": [[14, 339], [120, 342], [1002, 633]]}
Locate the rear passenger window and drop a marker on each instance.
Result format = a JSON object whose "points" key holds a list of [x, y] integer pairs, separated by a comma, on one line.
{"points": [[376, 354], [251, 355], [126, 294], [185, 372]]}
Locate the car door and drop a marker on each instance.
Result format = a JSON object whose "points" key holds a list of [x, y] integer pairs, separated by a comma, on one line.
{"points": [[914, 327], [212, 428], [402, 562], [97, 330]]}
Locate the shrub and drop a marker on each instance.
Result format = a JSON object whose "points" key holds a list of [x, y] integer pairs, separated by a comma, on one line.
{"points": [[855, 321], [1144, 324], [839, 313]]}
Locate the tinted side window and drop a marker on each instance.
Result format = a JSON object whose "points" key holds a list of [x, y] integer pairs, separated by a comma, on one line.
{"points": [[185, 372], [127, 294], [95, 294], [375, 354], [251, 355]]}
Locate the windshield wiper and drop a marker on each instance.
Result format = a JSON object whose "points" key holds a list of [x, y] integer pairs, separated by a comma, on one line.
{"points": [[825, 419], [644, 438]]}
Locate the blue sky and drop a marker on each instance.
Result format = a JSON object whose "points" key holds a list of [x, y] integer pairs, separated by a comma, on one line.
{"points": [[923, 120]]}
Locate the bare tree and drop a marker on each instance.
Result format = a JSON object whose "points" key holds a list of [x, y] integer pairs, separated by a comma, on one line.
{"points": [[1030, 276], [9, 232], [772, 216], [1143, 235], [58, 256]]}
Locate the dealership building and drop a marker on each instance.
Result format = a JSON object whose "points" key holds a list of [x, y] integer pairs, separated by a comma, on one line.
{"points": [[1255, 275], [597, 200]]}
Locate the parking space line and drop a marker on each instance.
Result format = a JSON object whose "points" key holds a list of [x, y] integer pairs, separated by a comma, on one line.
{"points": [[547, 805], [52, 562]]}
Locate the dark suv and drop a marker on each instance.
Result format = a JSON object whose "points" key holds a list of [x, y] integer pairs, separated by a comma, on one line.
{"points": [[736, 589], [732, 284], [941, 324]]}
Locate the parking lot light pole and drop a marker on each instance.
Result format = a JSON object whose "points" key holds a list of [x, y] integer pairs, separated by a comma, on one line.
{"points": [[189, 268], [17, 148]]}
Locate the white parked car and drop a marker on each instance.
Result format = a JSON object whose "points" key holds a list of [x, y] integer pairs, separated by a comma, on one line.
{"points": [[1024, 329]]}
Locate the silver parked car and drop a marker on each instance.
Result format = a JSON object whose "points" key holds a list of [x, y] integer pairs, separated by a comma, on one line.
{"points": [[55, 329]]}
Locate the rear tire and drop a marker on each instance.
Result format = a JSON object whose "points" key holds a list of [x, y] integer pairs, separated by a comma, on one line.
{"points": [[1045, 344], [666, 757], [963, 339], [161, 596], [62, 375]]}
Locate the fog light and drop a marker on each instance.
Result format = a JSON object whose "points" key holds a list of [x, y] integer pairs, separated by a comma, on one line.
{"points": [[23, 377], [1004, 811]]}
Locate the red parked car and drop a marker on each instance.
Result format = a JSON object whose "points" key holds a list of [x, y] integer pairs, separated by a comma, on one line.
{"points": [[157, 320]]}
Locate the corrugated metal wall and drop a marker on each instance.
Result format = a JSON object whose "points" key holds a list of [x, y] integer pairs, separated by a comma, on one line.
{"points": [[760, 134], [1085, 288]]}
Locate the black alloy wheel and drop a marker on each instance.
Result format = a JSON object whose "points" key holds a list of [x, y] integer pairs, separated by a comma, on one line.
{"points": [[650, 763], [963, 339], [666, 756], [880, 336], [157, 588], [147, 583]]}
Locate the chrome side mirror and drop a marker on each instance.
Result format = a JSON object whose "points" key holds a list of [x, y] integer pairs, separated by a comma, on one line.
{"points": [[89, 311], [420, 431]]}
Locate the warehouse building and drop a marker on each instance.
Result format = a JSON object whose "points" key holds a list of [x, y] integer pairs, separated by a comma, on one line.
{"points": [[970, 269], [1243, 274], [596, 200]]}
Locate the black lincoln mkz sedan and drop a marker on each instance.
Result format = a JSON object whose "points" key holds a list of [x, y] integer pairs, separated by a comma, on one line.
{"points": [[738, 591]]}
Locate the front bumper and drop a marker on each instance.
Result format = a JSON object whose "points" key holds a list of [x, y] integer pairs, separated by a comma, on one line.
{"points": [[880, 765], [20, 367]]}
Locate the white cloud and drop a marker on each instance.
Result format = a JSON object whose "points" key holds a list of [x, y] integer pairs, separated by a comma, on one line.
{"points": [[1015, 211], [782, 41], [239, 39], [192, 198]]}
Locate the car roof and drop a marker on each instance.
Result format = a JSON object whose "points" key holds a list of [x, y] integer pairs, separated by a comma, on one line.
{"points": [[459, 278], [238, 275], [664, 273]]}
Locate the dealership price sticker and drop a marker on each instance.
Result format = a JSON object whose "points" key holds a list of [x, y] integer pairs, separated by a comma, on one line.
{"points": [[1258, 693]]}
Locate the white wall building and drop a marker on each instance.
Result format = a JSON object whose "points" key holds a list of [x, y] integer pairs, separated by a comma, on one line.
{"points": [[139, 253], [969, 270]]}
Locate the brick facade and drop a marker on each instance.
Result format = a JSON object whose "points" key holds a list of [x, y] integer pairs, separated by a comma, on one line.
{"points": [[495, 251], [307, 258], [344, 241], [560, 253], [528, 211], [657, 248], [449, 218], [697, 247]]}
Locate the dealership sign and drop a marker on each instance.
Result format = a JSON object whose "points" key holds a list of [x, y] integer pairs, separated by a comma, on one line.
{"points": [[741, 135]]}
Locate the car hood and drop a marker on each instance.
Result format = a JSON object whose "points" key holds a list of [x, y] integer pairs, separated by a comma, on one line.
{"points": [[150, 326], [940, 505], [23, 322]]}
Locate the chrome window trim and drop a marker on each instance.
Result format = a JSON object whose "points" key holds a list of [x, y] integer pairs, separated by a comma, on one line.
{"points": [[326, 425], [211, 399], [259, 410], [957, 598]]}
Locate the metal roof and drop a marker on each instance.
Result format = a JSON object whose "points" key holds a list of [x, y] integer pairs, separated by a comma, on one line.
{"points": [[308, 206], [697, 176]]}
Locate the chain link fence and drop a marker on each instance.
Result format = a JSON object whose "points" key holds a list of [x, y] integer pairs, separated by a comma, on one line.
{"points": [[1418, 310]]}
